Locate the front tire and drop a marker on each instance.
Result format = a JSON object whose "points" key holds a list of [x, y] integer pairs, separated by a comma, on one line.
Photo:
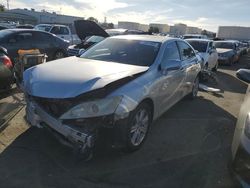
{"points": [[138, 127], [215, 68]]}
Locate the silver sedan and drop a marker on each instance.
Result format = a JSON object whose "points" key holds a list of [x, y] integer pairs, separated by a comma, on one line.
{"points": [[122, 84]]}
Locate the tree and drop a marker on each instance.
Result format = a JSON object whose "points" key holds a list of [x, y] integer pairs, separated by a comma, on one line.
{"points": [[153, 30], [2, 8], [204, 32], [107, 25], [92, 19], [110, 26]]}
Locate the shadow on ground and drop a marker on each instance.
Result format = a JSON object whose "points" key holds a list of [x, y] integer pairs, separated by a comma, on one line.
{"points": [[189, 145]]}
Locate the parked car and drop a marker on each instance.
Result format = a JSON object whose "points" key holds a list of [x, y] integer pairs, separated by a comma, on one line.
{"points": [[6, 70], [90, 33], [207, 51], [241, 140], [25, 26], [122, 83], [79, 49], [194, 36], [25, 39], [227, 51], [243, 48], [61, 31]]}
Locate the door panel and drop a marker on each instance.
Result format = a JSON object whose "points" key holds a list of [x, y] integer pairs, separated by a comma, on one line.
{"points": [[189, 65], [45, 43], [170, 83], [21, 40]]}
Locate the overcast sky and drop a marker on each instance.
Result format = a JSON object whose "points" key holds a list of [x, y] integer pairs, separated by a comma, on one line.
{"points": [[206, 14]]}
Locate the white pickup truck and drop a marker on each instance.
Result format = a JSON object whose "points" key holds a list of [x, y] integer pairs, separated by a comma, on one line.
{"points": [[61, 31]]}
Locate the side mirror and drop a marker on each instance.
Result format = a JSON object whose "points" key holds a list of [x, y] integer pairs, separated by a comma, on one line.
{"points": [[243, 74], [171, 65], [196, 51]]}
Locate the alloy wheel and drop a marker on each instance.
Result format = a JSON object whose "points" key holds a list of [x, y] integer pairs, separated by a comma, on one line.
{"points": [[140, 127]]}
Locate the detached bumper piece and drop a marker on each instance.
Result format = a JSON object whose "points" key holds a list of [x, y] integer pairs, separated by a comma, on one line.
{"points": [[37, 117]]}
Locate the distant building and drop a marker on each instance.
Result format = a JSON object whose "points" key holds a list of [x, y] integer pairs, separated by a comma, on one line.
{"points": [[234, 32], [178, 29], [193, 30], [163, 28], [129, 25], [144, 27], [132, 26], [25, 16]]}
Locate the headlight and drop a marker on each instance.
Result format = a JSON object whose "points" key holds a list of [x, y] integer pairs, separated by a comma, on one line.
{"points": [[247, 126], [81, 51], [223, 55], [95, 108]]}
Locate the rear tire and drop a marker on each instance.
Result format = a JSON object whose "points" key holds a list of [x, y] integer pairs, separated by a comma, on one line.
{"points": [[59, 54]]}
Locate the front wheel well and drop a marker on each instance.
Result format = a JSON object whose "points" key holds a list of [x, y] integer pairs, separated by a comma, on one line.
{"points": [[150, 102]]}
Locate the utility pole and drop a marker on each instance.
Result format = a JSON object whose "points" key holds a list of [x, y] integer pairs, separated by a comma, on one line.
{"points": [[8, 5]]}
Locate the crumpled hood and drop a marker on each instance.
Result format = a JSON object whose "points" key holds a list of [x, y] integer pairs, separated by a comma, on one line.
{"points": [[223, 50], [70, 77]]}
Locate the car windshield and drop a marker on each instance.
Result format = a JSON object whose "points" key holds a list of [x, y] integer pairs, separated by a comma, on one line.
{"points": [[200, 46], [43, 28], [133, 52], [226, 45], [95, 39]]}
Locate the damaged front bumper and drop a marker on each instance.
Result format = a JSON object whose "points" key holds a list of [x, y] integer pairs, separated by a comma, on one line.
{"points": [[37, 117]]}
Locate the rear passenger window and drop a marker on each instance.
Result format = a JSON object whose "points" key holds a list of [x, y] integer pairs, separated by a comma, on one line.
{"points": [[185, 50], [171, 53], [64, 31], [22, 37], [57, 30]]}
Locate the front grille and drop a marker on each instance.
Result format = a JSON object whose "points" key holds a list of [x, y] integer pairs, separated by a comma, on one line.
{"points": [[54, 107], [73, 52]]}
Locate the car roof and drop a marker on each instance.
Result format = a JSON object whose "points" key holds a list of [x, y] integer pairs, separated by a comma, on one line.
{"points": [[194, 35], [150, 38], [225, 41], [22, 30], [116, 30], [51, 25], [203, 40]]}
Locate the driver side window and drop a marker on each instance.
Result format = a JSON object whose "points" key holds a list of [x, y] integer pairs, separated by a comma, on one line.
{"points": [[171, 53]]}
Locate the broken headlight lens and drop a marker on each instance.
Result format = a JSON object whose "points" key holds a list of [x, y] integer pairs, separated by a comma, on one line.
{"points": [[247, 126], [95, 108]]}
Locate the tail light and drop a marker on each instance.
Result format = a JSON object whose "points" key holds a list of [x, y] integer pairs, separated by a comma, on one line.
{"points": [[7, 62]]}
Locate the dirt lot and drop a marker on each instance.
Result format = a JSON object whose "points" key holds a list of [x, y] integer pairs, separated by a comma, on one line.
{"points": [[189, 146]]}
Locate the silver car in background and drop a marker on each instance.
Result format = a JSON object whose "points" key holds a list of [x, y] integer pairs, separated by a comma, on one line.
{"points": [[207, 51], [122, 84]]}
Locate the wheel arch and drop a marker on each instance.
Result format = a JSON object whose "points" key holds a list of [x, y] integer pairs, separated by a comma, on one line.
{"points": [[150, 102]]}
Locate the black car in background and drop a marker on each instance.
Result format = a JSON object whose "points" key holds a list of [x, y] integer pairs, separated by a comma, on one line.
{"points": [[6, 70], [26, 39]]}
